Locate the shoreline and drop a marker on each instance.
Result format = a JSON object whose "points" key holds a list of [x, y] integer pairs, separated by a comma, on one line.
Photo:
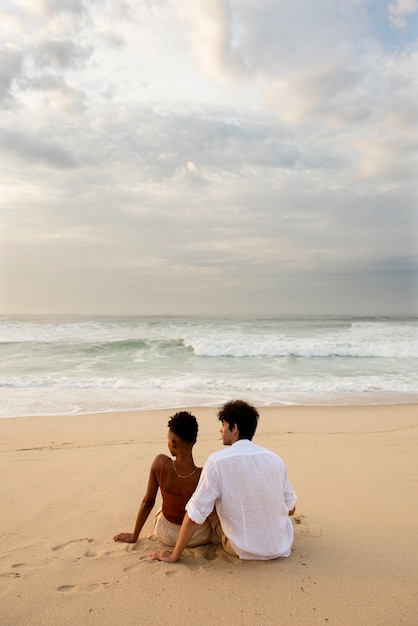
{"points": [[336, 400], [70, 482]]}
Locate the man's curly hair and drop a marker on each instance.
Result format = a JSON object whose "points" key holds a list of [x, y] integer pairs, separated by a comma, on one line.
{"points": [[244, 415]]}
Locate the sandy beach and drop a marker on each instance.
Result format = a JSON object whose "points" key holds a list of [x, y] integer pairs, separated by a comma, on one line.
{"points": [[69, 483]]}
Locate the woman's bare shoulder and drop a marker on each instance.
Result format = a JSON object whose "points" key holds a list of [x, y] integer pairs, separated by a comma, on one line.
{"points": [[159, 460]]}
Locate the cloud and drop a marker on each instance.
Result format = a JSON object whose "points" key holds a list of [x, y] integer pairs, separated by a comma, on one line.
{"points": [[57, 97], [11, 64], [234, 40], [51, 8], [317, 90], [61, 54], [400, 10], [245, 149], [34, 148], [208, 26], [312, 70]]}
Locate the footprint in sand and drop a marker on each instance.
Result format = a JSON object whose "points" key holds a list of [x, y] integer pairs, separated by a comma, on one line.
{"points": [[88, 588], [135, 566], [92, 553], [211, 553], [19, 566], [10, 575], [66, 588], [65, 545], [96, 586], [302, 527]]}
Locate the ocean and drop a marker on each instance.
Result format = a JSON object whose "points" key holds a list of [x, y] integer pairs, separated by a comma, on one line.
{"points": [[60, 365]]}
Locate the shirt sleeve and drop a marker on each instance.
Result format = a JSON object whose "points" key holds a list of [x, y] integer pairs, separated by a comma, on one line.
{"points": [[202, 502], [289, 495]]}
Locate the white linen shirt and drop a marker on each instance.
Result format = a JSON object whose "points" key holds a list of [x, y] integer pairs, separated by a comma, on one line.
{"points": [[252, 494]]}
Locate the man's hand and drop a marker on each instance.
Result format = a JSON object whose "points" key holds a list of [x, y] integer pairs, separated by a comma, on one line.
{"points": [[162, 555], [126, 537]]}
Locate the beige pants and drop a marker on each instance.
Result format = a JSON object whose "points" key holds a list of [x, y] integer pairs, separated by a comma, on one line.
{"points": [[167, 532], [215, 524]]}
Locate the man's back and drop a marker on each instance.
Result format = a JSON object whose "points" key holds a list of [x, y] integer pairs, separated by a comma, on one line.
{"points": [[248, 485]]}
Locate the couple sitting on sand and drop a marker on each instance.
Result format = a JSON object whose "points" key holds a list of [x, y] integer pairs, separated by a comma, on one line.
{"points": [[242, 495]]}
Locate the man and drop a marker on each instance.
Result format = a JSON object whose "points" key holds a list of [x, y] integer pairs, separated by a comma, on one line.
{"points": [[243, 491]]}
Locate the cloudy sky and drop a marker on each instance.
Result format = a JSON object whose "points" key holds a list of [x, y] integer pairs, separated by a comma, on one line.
{"points": [[209, 156]]}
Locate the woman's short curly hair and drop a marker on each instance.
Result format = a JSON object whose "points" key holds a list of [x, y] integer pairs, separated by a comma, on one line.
{"points": [[184, 425]]}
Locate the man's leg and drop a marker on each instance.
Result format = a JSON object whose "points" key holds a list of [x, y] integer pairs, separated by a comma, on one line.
{"points": [[215, 524]]}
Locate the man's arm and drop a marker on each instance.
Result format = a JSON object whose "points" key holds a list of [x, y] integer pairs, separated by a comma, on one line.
{"points": [[187, 531], [289, 495]]}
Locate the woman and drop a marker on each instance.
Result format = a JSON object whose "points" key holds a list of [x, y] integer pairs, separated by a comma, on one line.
{"points": [[177, 479]]}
